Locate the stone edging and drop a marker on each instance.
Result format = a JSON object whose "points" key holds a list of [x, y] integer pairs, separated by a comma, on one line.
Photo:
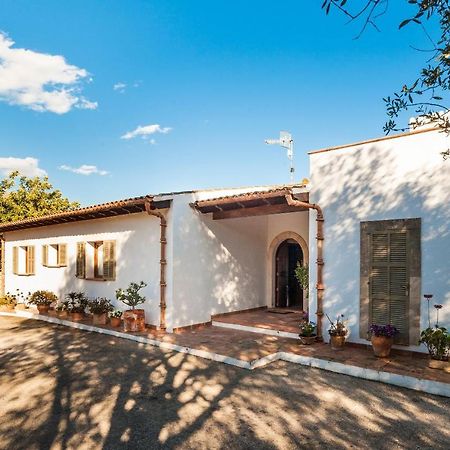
{"points": [[406, 381]]}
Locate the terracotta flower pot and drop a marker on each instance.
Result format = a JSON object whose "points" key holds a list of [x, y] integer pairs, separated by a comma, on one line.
{"points": [[134, 320], [99, 319], [77, 316], [337, 342], [382, 345], [43, 309], [307, 340], [62, 314], [116, 322]]}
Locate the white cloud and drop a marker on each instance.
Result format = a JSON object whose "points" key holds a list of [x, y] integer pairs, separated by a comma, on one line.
{"points": [[84, 169], [145, 131], [26, 166], [40, 81], [120, 87]]}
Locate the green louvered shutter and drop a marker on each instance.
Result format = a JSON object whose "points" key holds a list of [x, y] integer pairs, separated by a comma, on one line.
{"points": [[388, 281]]}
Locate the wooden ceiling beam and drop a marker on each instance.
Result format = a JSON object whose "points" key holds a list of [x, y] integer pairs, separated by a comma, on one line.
{"points": [[255, 211]]}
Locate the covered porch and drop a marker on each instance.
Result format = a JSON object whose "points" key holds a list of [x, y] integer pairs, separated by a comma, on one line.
{"points": [[285, 213]]}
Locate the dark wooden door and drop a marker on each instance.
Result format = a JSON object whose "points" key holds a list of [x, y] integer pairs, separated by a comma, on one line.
{"points": [[287, 290], [282, 278]]}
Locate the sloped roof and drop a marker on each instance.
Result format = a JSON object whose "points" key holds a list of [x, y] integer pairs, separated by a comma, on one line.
{"points": [[109, 209]]}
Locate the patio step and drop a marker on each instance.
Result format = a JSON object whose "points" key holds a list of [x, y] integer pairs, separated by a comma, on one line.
{"points": [[260, 330]]}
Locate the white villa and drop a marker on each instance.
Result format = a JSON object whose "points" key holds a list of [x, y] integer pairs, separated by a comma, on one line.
{"points": [[373, 224]]}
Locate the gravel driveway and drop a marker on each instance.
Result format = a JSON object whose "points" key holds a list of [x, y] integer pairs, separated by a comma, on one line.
{"points": [[62, 388]]}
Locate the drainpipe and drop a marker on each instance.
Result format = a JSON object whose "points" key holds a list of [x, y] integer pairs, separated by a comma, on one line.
{"points": [[149, 207], [291, 201]]}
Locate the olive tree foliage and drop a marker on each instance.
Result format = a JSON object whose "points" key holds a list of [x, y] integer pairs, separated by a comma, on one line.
{"points": [[424, 94], [24, 197]]}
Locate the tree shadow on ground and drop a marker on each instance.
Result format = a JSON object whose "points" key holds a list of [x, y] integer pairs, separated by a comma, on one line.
{"points": [[66, 388]]}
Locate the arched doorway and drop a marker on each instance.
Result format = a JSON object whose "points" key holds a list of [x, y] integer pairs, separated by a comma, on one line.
{"points": [[288, 293]]}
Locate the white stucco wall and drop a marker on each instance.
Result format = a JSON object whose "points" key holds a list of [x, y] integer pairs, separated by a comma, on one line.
{"points": [[137, 252], [398, 178]]}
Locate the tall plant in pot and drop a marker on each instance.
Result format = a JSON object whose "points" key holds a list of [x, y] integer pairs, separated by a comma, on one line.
{"points": [[43, 299], [99, 307], [134, 319], [382, 338], [302, 275], [338, 332]]}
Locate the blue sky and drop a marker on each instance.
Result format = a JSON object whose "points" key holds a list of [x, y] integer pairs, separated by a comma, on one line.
{"points": [[218, 77]]}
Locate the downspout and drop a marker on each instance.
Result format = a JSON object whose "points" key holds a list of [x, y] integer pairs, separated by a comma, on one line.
{"points": [[291, 201], [149, 207]]}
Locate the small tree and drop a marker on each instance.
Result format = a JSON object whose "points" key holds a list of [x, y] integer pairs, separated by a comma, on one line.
{"points": [[130, 296], [23, 197], [302, 275]]}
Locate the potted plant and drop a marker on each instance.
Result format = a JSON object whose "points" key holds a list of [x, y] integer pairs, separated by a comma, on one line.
{"points": [[437, 341], [115, 318], [382, 338], [21, 299], [7, 302], [61, 310], [76, 305], [42, 299], [338, 333], [134, 319], [100, 307], [308, 333]]}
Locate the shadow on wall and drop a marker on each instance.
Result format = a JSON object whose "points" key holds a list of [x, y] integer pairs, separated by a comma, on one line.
{"points": [[219, 267], [63, 388], [377, 183]]}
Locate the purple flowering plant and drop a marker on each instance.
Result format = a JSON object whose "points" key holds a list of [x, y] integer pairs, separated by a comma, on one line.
{"points": [[383, 330]]}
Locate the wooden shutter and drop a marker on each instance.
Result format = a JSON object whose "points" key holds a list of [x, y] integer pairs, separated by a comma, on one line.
{"points": [[81, 260], [15, 260], [389, 281], [45, 255], [29, 260], [109, 260], [62, 255]]}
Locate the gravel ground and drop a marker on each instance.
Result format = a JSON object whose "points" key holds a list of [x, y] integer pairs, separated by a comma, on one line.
{"points": [[62, 388]]}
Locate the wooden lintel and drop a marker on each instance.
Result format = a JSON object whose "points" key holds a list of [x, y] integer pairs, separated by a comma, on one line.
{"points": [[255, 211]]}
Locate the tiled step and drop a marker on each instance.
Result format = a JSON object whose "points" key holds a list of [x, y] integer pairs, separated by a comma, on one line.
{"points": [[267, 331]]}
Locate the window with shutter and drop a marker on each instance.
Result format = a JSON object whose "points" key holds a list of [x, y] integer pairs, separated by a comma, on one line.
{"points": [[81, 260], [390, 276]]}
